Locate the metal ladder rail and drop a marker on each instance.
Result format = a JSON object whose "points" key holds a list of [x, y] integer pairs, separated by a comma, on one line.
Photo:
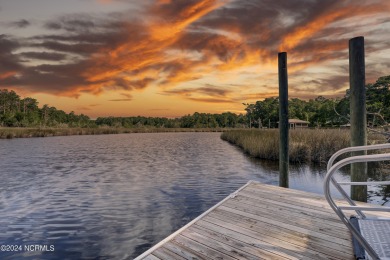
{"points": [[352, 149], [339, 210]]}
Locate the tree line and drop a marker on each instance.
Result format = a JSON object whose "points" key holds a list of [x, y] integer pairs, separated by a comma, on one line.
{"points": [[24, 112], [196, 120], [324, 112], [319, 112]]}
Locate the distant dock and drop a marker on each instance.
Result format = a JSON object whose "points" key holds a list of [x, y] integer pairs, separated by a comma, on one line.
{"points": [[260, 221]]}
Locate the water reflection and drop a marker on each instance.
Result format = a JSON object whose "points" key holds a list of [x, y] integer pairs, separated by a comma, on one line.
{"points": [[114, 196]]}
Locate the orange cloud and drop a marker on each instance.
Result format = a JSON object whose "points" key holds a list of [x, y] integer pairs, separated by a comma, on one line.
{"points": [[149, 50], [305, 32], [7, 74], [318, 52], [167, 32]]}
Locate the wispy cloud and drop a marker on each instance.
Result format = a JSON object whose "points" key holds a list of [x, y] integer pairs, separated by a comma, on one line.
{"points": [[53, 56], [211, 100], [208, 94], [127, 95], [159, 109], [208, 90], [23, 23], [120, 99]]}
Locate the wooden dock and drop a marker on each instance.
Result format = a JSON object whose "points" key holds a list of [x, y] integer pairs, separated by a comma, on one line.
{"points": [[261, 222]]}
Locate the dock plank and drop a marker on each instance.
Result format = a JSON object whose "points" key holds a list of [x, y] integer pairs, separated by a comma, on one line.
{"points": [[283, 209], [186, 253], [261, 222], [303, 222], [206, 251], [292, 205], [241, 248], [151, 257], [266, 250], [287, 234], [164, 253], [291, 226], [221, 247], [299, 251], [317, 250], [304, 201]]}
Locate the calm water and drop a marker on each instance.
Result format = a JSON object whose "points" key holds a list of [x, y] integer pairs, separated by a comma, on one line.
{"points": [[114, 196]]}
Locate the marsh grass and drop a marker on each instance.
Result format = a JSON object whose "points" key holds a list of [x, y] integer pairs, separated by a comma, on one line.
{"points": [[305, 145], [19, 132]]}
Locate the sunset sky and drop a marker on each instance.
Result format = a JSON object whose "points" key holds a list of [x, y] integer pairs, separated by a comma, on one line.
{"points": [[175, 57]]}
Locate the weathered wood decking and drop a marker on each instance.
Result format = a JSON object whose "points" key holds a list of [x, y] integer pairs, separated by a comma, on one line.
{"points": [[261, 222]]}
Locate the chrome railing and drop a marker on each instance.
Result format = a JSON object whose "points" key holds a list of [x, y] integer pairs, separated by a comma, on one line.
{"points": [[332, 168]]}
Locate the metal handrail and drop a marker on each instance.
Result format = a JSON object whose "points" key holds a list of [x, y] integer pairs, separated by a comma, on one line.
{"points": [[346, 150], [364, 183], [329, 178], [355, 149]]}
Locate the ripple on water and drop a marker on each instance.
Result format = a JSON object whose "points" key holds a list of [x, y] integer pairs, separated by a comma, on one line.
{"points": [[114, 196]]}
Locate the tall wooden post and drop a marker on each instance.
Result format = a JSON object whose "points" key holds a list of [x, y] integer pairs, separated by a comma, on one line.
{"points": [[283, 120], [357, 79]]}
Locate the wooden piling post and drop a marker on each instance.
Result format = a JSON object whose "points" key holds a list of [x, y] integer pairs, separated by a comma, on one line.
{"points": [[283, 120], [358, 113]]}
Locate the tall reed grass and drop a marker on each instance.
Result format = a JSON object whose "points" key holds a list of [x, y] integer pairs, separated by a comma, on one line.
{"points": [[305, 145], [19, 132]]}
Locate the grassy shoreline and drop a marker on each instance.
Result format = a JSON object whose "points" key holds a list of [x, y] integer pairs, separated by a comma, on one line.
{"points": [[306, 145], [20, 132]]}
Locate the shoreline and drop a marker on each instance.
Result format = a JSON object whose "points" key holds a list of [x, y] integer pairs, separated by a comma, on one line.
{"points": [[31, 132]]}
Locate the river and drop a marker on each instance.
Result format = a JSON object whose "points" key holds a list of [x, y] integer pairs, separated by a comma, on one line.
{"points": [[114, 196]]}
